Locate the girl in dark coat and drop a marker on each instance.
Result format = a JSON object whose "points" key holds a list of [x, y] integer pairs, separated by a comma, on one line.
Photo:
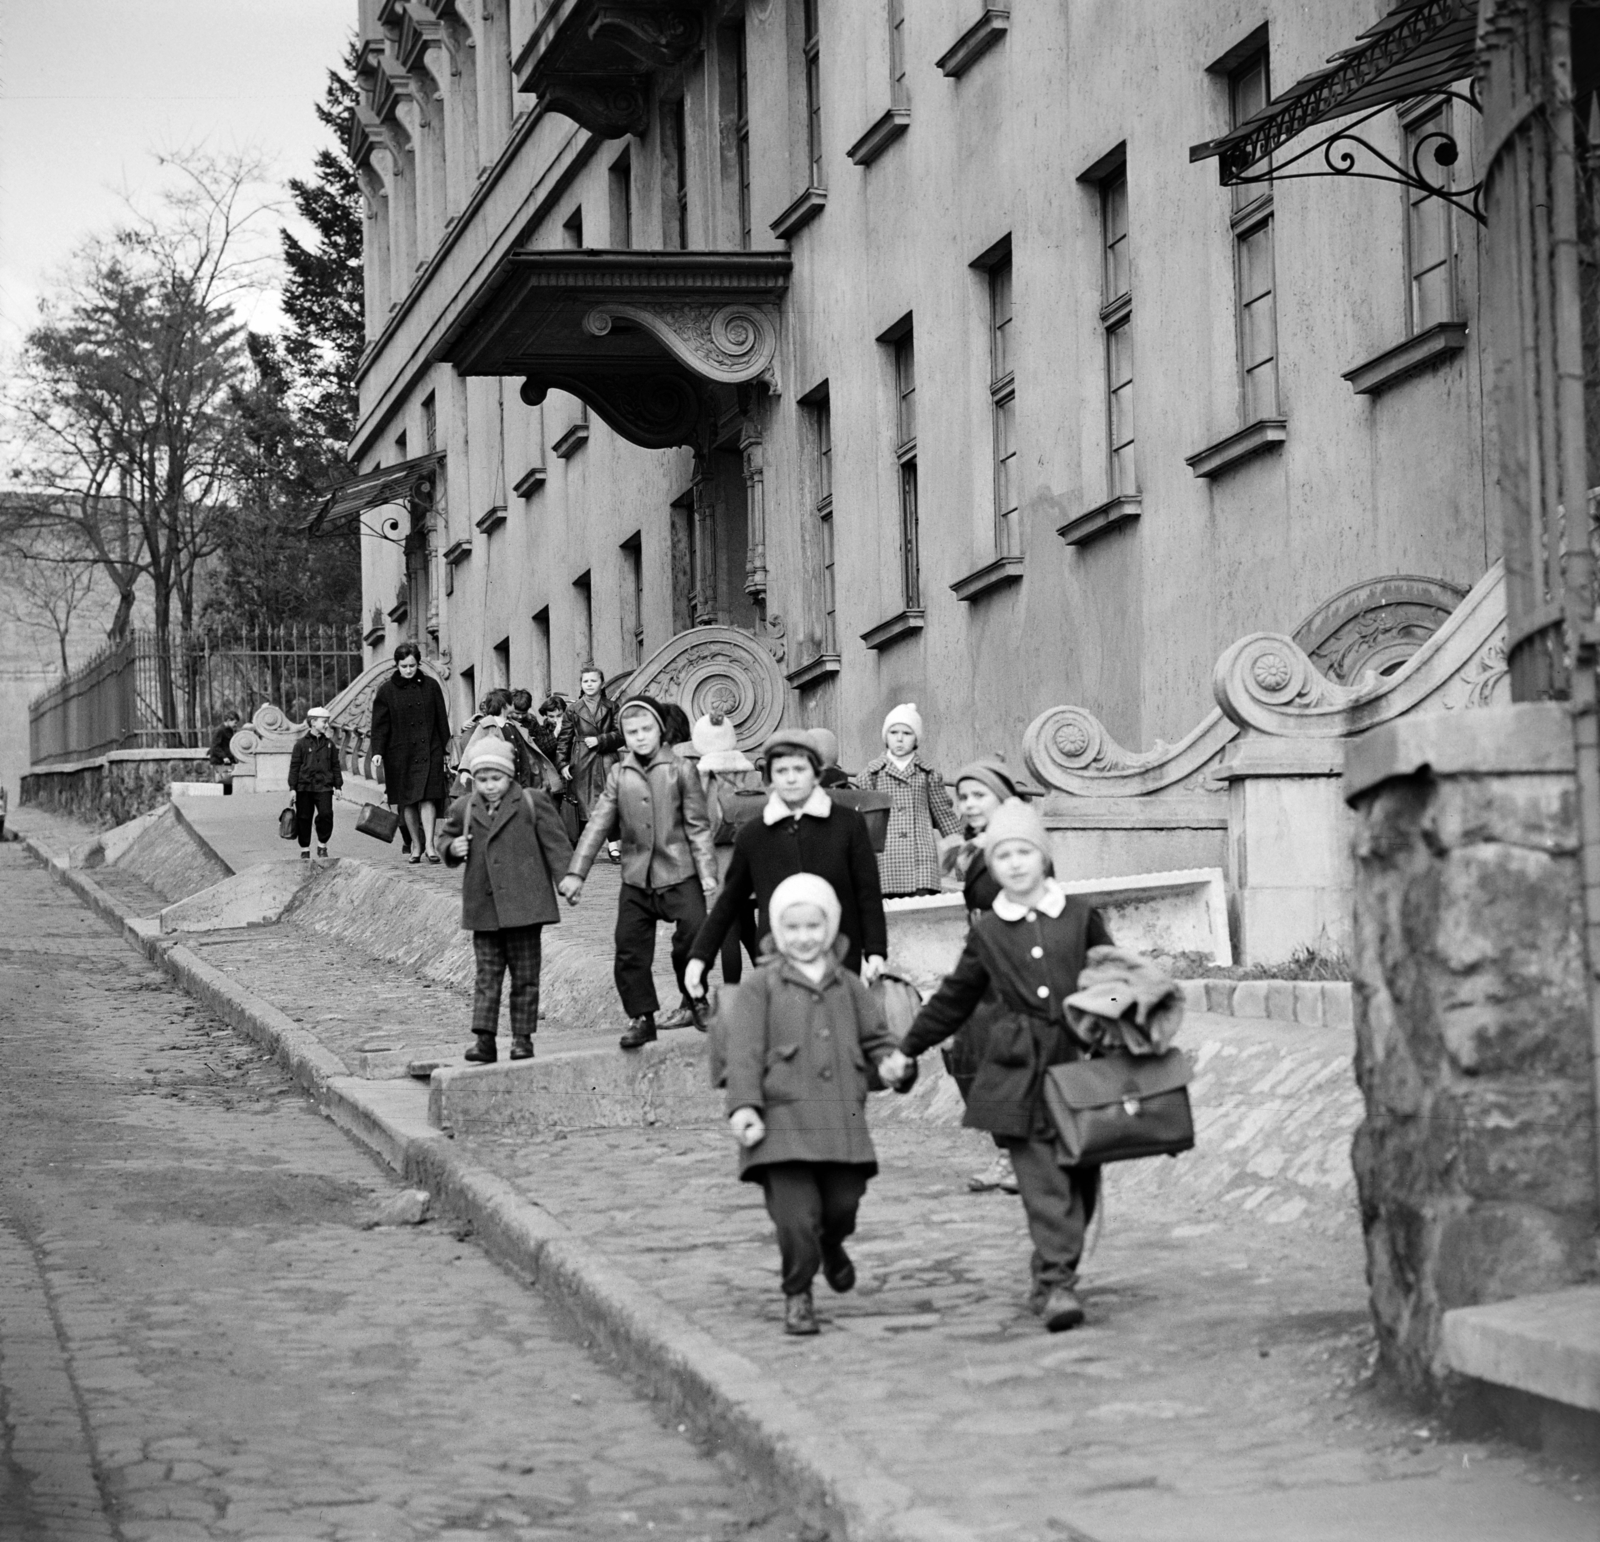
{"points": [[1029, 949], [596, 739], [410, 738], [801, 1034], [801, 830]]}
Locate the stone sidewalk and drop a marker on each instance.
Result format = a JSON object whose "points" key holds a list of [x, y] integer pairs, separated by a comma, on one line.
{"points": [[1220, 1388]]}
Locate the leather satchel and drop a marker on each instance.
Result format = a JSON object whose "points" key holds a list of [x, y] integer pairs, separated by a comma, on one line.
{"points": [[1119, 1107], [286, 823], [378, 822]]}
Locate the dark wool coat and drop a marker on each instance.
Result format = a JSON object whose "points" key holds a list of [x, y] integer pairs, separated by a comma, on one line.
{"points": [[1028, 1032], [221, 751], [593, 720], [837, 848], [509, 866], [799, 1054], [411, 730], [920, 813], [314, 764]]}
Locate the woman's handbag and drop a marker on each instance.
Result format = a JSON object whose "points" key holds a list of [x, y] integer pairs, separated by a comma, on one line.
{"points": [[378, 822], [286, 822], [572, 816], [1119, 1107]]}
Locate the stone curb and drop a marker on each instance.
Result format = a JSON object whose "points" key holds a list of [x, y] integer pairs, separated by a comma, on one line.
{"points": [[727, 1398], [1316, 1003]]}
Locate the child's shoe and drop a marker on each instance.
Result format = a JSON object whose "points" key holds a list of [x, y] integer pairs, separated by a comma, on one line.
{"points": [[837, 1269], [483, 1052], [641, 1030], [799, 1316], [521, 1046], [1062, 1309], [305, 853], [322, 851], [679, 1017], [997, 1175], [614, 851]]}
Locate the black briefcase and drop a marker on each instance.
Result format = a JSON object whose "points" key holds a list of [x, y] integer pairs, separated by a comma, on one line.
{"points": [[378, 822], [1119, 1107]]}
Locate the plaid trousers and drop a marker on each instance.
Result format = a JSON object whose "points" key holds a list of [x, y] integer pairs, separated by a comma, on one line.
{"points": [[515, 948]]}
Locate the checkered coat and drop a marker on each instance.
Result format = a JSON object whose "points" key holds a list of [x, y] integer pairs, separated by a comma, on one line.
{"points": [[920, 813]]}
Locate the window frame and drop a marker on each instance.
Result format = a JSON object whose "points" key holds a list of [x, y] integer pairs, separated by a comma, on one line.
{"points": [[1250, 216], [741, 133], [1414, 118], [1002, 406], [620, 186], [821, 410], [1116, 326], [905, 454], [899, 81], [811, 52]]}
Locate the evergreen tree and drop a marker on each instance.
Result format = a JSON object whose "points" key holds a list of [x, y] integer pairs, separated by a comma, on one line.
{"points": [[300, 410]]}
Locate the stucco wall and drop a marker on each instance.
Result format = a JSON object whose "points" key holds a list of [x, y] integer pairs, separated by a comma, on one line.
{"points": [[1129, 626]]}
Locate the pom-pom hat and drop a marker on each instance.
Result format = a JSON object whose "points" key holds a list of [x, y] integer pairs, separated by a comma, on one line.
{"points": [[906, 716], [1015, 820]]}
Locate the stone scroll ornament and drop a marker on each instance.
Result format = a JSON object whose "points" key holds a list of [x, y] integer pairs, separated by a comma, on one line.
{"points": [[711, 670], [1070, 750], [729, 344]]}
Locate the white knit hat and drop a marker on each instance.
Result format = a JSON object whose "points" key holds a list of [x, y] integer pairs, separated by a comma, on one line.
{"points": [[806, 889], [491, 754], [1015, 820], [714, 735], [907, 716]]}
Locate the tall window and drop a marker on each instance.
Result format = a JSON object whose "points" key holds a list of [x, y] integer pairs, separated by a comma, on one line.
{"points": [[678, 118], [621, 185], [430, 425], [572, 230], [584, 631], [633, 600], [1430, 230], [1116, 316], [905, 390], [813, 53], [1248, 92], [541, 652], [899, 90], [502, 663], [1003, 398], [741, 129], [826, 592]]}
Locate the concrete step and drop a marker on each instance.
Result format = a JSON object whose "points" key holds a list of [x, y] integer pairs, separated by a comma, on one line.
{"points": [[1548, 1345]]}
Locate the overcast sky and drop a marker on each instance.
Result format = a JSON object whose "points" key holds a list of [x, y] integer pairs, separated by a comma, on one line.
{"points": [[88, 88]]}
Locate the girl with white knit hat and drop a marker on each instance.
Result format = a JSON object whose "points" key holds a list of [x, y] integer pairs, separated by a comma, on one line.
{"points": [[800, 1034], [921, 811]]}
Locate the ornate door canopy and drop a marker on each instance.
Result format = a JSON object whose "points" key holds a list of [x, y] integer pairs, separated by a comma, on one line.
{"points": [[591, 59], [642, 337]]}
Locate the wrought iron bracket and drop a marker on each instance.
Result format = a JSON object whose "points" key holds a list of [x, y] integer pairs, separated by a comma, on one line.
{"points": [[1342, 151]]}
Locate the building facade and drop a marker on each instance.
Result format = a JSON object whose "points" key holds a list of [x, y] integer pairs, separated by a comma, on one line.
{"points": [[905, 337]]}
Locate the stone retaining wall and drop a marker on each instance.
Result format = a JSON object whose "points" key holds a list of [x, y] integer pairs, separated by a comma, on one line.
{"points": [[1476, 1158], [115, 788]]}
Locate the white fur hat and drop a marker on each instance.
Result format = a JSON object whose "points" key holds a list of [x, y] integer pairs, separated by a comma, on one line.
{"points": [[907, 716]]}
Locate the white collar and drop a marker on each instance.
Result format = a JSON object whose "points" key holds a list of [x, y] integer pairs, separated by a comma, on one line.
{"points": [[819, 805], [1052, 903], [902, 766]]}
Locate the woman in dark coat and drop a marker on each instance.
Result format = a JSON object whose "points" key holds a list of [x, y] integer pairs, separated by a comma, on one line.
{"points": [[811, 834], [410, 736]]}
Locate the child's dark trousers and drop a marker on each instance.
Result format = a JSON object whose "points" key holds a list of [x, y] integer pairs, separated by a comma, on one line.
{"points": [[515, 948], [638, 911], [317, 804], [813, 1205], [1059, 1203]]}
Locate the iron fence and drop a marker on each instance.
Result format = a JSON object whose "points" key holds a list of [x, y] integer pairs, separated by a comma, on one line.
{"points": [[145, 692]]}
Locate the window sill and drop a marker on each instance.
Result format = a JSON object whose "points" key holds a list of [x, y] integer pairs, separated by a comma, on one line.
{"points": [[800, 213], [822, 667], [398, 613], [1416, 353], [880, 136], [492, 519], [571, 442], [457, 552], [992, 576], [906, 624], [530, 482], [374, 635], [1114, 512], [1255, 439], [989, 29]]}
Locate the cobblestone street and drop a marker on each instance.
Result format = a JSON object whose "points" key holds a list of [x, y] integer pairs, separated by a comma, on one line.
{"points": [[201, 1336]]}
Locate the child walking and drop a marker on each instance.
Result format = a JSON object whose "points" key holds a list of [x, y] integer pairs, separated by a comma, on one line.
{"points": [[725, 770], [1029, 948], [314, 776], [909, 863], [653, 799], [799, 1036], [511, 840]]}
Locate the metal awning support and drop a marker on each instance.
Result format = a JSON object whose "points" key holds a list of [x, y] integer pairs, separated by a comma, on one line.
{"points": [[410, 483], [1421, 48]]}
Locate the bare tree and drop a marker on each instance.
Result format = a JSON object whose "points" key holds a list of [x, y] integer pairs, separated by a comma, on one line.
{"points": [[126, 394], [48, 581]]}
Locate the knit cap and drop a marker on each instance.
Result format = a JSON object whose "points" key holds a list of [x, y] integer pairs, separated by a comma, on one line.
{"points": [[993, 772], [907, 716], [827, 742], [643, 704], [491, 754], [713, 734], [1015, 820], [806, 889], [791, 741]]}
